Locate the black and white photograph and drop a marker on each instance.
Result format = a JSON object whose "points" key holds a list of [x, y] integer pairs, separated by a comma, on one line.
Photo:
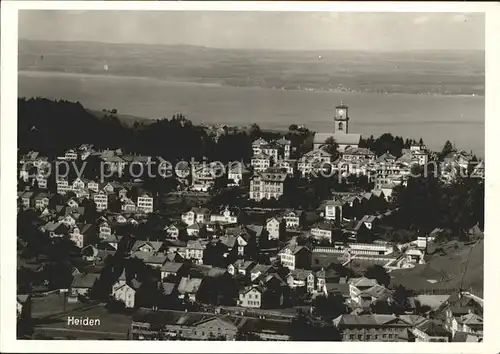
{"points": [[249, 175]]}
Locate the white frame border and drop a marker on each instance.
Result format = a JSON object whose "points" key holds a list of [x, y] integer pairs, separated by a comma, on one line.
{"points": [[9, 29]]}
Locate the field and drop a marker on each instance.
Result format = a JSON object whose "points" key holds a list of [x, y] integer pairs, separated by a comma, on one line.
{"points": [[111, 326]]}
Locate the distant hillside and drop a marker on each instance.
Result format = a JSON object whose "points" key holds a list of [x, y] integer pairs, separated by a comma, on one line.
{"points": [[420, 72]]}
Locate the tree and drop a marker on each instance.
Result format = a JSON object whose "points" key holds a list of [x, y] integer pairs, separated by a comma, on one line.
{"points": [[331, 147], [401, 299], [378, 273], [293, 127], [447, 148], [329, 307], [304, 329]]}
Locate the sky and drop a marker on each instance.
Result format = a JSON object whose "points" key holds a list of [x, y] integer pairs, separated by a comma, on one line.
{"points": [[262, 30]]}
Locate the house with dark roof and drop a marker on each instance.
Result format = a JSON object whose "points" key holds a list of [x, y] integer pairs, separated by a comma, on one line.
{"points": [[241, 267], [431, 331], [301, 278], [188, 288], [251, 297], [176, 230], [370, 328], [199, 215], [469, 323], [235, 244], [183, 325], [295, 256], [82, 284], [259, 270], [194, 250], [147, 246], [172, 269], [81, 233]]}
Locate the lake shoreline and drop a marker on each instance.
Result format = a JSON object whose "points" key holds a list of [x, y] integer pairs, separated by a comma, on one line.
{"points": [[459, 119], [46, 73]]}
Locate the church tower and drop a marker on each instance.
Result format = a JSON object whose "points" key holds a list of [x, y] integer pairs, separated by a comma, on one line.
{"points": [[341, 119]]}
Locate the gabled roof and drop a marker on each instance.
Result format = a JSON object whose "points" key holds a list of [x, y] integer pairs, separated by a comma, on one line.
{"points": [[189, 285], [278, 218], [174, 257], [244, 265], [386, 157], [414, 320], [41, 196], [171, 267], [112, 239], [372, 320], [363, 282], [155, 245], [84, 280], [155, 259], [22, 298], [51, 226], [247, 289], [433, 328], [259, 141], [294, 248], [283, 141], [377, 291], [300, 274], [336, 288], [167, 288], [194, 226], [255, 229], [229, 240], [262, 268], [200, 210], [194, 244]]}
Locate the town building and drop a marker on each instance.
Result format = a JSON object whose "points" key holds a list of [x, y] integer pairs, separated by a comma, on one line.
{"points": [[275, 227], [341, 134], [267, 185], [250, 297], [145, 203], [370, 328], [294, 256], [261, 162], [101, 201]]}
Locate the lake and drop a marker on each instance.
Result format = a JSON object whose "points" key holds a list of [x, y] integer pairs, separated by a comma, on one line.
{"points": [[460, 119]]}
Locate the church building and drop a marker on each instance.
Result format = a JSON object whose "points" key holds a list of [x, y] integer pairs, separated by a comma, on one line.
{"points": [[341, 133]]}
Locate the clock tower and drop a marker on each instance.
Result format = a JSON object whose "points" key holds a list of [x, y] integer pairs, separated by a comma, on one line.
{"points": [[341, 120]]}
